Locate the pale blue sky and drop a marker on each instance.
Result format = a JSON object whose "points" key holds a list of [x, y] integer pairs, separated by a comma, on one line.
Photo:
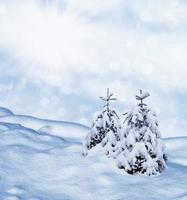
{"points": [[57, 57]]}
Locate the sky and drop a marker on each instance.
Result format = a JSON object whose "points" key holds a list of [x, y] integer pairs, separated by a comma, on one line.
{"points": [[58, 56]]}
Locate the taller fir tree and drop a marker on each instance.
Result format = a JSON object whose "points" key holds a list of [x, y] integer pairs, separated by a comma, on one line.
{"points": [[141, 144], [105, 128]]}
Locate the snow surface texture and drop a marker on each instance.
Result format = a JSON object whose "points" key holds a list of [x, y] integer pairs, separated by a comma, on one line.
{"points": [[41, 160]]}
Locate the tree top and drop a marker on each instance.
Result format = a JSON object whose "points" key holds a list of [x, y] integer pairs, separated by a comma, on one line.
{"points": [[141, 97], [108, 96]]}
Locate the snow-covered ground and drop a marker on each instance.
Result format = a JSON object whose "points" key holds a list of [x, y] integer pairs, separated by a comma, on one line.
{"points": [[41, 160]]}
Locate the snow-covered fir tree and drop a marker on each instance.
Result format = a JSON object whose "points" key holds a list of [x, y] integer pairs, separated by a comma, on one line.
{"points": [[105, 128], [142, 150]]}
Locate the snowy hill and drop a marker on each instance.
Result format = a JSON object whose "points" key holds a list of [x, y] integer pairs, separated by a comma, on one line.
{"points": [[57, 128], [41, 160]]}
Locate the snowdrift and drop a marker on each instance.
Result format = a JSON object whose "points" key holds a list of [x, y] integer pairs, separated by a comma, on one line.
{"points": [[57, 128], [41, 160], [5, 112]]}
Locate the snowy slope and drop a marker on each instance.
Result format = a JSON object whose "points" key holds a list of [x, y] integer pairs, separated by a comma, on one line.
{"points": [[48, 165], [57, 128]]}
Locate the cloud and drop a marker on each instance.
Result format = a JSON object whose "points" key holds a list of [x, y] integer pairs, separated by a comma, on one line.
{"points": [[59, 56]]}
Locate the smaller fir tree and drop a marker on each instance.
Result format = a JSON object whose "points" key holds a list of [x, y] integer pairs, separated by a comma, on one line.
{"points": [[105, 128], [142, 150]]}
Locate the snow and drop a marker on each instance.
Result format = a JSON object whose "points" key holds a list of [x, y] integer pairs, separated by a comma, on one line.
{"points": [[48, 165], [5, 112], [142, 148], [105, 129], [57, 128]]}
